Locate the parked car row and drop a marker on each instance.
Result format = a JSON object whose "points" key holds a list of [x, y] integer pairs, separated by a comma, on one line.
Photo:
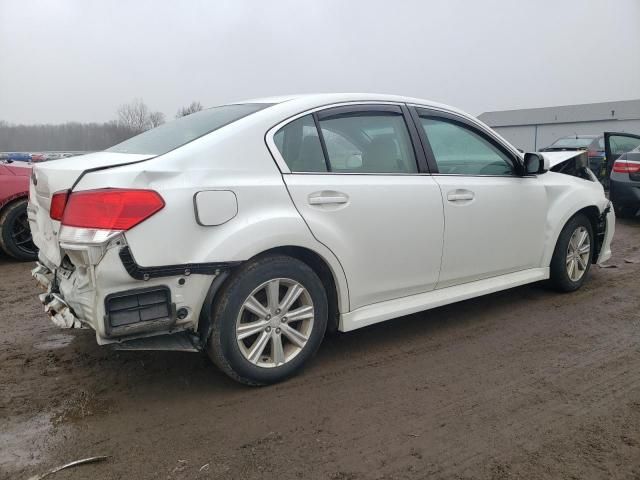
{"points": [[614, 157], [592, 144], [36, 157]]}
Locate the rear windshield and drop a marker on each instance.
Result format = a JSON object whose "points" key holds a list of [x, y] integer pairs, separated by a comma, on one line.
{"points": [[573, 142], [179, 132]]}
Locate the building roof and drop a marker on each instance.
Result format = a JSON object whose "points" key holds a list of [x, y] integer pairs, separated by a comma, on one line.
{"points": [[588, 112]]}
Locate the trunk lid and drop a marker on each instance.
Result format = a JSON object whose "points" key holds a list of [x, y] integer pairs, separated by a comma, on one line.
{"points": [[50, 177]]}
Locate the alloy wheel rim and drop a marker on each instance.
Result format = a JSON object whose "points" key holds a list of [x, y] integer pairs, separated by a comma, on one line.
{"points": [[578, 252], [21, 235], [275, 322]]}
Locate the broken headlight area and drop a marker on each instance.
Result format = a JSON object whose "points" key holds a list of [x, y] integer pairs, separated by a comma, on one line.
{"points": [[576, 166]]}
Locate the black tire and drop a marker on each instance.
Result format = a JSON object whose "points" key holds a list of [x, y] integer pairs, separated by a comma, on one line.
{"points": [[559, 277], [223, 347], [15, 234]]}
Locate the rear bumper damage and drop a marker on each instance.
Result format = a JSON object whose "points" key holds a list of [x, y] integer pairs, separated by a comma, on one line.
{"points": [[94, 289], [54, 305]]}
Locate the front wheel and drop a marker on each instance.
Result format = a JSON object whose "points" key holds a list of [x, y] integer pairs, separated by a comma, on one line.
{"points": [[268, 321], [572, 256]]}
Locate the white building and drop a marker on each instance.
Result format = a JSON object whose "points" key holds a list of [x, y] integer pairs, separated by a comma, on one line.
{"points": [[534, 128]]}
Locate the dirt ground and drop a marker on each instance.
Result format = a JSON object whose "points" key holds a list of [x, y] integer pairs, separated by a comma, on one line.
{"points": [[525, 383]]}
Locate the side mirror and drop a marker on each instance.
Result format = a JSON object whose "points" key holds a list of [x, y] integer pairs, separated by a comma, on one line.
{"points": [[535, 163]]}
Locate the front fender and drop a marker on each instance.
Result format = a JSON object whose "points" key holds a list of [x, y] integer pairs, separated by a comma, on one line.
{"points": [[565, 201]]}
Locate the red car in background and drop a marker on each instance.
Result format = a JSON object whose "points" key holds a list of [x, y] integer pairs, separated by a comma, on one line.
{"points": [[15, 234]]}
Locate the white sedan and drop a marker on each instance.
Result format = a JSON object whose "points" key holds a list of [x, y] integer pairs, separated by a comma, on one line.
{"points": [[248, 230]]}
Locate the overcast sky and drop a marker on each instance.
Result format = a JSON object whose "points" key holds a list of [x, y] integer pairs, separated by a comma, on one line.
{"points": [[79, 60]]}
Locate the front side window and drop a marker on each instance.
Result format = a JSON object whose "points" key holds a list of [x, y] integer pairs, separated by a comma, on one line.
{"points": [[458, 150], [620, 144]]}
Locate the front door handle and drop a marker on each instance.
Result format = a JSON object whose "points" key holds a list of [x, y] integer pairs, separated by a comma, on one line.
{"points": [[328, 197], [460, 196]]}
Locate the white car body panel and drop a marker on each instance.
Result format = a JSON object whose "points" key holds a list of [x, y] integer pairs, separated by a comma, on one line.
{"points": [[386, 258], [386, 264], [371, 314], [488, 236]]}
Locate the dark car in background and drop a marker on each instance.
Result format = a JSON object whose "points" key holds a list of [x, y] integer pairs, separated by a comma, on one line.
{"points": [[594, 146], [624, 182], [15, 233]]}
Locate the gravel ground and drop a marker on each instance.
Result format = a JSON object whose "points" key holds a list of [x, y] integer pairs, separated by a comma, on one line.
{"points": [[525, 383]]}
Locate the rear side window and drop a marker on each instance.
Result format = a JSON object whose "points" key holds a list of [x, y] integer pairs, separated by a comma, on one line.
{"points": [[299, 145], [366, 141], [179, 132]]}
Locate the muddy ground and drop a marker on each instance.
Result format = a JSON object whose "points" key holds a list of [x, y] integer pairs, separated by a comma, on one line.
{"points": [[525, 383]]}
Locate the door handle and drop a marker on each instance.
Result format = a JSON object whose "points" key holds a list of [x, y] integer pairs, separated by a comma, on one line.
{"points": [[328, 198], [460, 196]]}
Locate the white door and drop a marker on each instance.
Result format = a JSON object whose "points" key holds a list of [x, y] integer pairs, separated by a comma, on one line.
{"points": [[495, 219], [358, 188]]}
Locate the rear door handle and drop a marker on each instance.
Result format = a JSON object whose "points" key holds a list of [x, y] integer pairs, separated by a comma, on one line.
{"points": [[460, 196], [327, 197]]}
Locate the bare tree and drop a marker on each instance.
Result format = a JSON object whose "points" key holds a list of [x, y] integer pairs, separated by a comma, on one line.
{"points": [[156, 119], [134, 116], [193, 108]]}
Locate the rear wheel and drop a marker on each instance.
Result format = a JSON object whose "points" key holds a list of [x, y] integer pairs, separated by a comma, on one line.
{"points": [[15, 234], [269, 320], [572, 256]]}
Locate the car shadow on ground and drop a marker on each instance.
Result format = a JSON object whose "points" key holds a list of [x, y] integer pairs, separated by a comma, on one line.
{"points": [[156, 374]]}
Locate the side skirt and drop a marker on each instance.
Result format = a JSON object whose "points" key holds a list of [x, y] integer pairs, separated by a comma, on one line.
{"points": [[379, 312]]}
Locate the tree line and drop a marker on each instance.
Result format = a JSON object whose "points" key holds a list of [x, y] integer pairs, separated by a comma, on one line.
{"points": [[132, 118]]}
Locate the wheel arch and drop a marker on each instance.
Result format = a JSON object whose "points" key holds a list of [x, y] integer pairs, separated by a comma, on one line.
{"points": [[333, 282], [324, 272], [593, 213], [11, 200]]}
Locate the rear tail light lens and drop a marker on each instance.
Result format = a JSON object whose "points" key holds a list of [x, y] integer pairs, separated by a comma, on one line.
{"points": [[626, 166], [110, 209], [58, 202]]}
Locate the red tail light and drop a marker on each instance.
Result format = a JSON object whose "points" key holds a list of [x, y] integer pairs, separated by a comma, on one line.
{"points": [[593, 153], [111, 208], [58, 201], [626, 166]]}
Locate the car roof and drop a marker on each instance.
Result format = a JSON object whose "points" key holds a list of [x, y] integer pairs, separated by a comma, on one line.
{"points": [[328, 98]]}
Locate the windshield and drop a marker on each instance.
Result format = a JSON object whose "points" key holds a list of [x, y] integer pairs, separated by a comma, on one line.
{"points": [[572, 142], [179, 132]]}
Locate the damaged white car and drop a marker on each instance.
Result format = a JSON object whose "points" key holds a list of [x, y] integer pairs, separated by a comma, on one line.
{"points": [[249, 230]]}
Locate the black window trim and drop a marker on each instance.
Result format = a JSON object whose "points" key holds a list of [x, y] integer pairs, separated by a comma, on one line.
{"points": [[329, 111], [325, 153], [416, 111]]}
